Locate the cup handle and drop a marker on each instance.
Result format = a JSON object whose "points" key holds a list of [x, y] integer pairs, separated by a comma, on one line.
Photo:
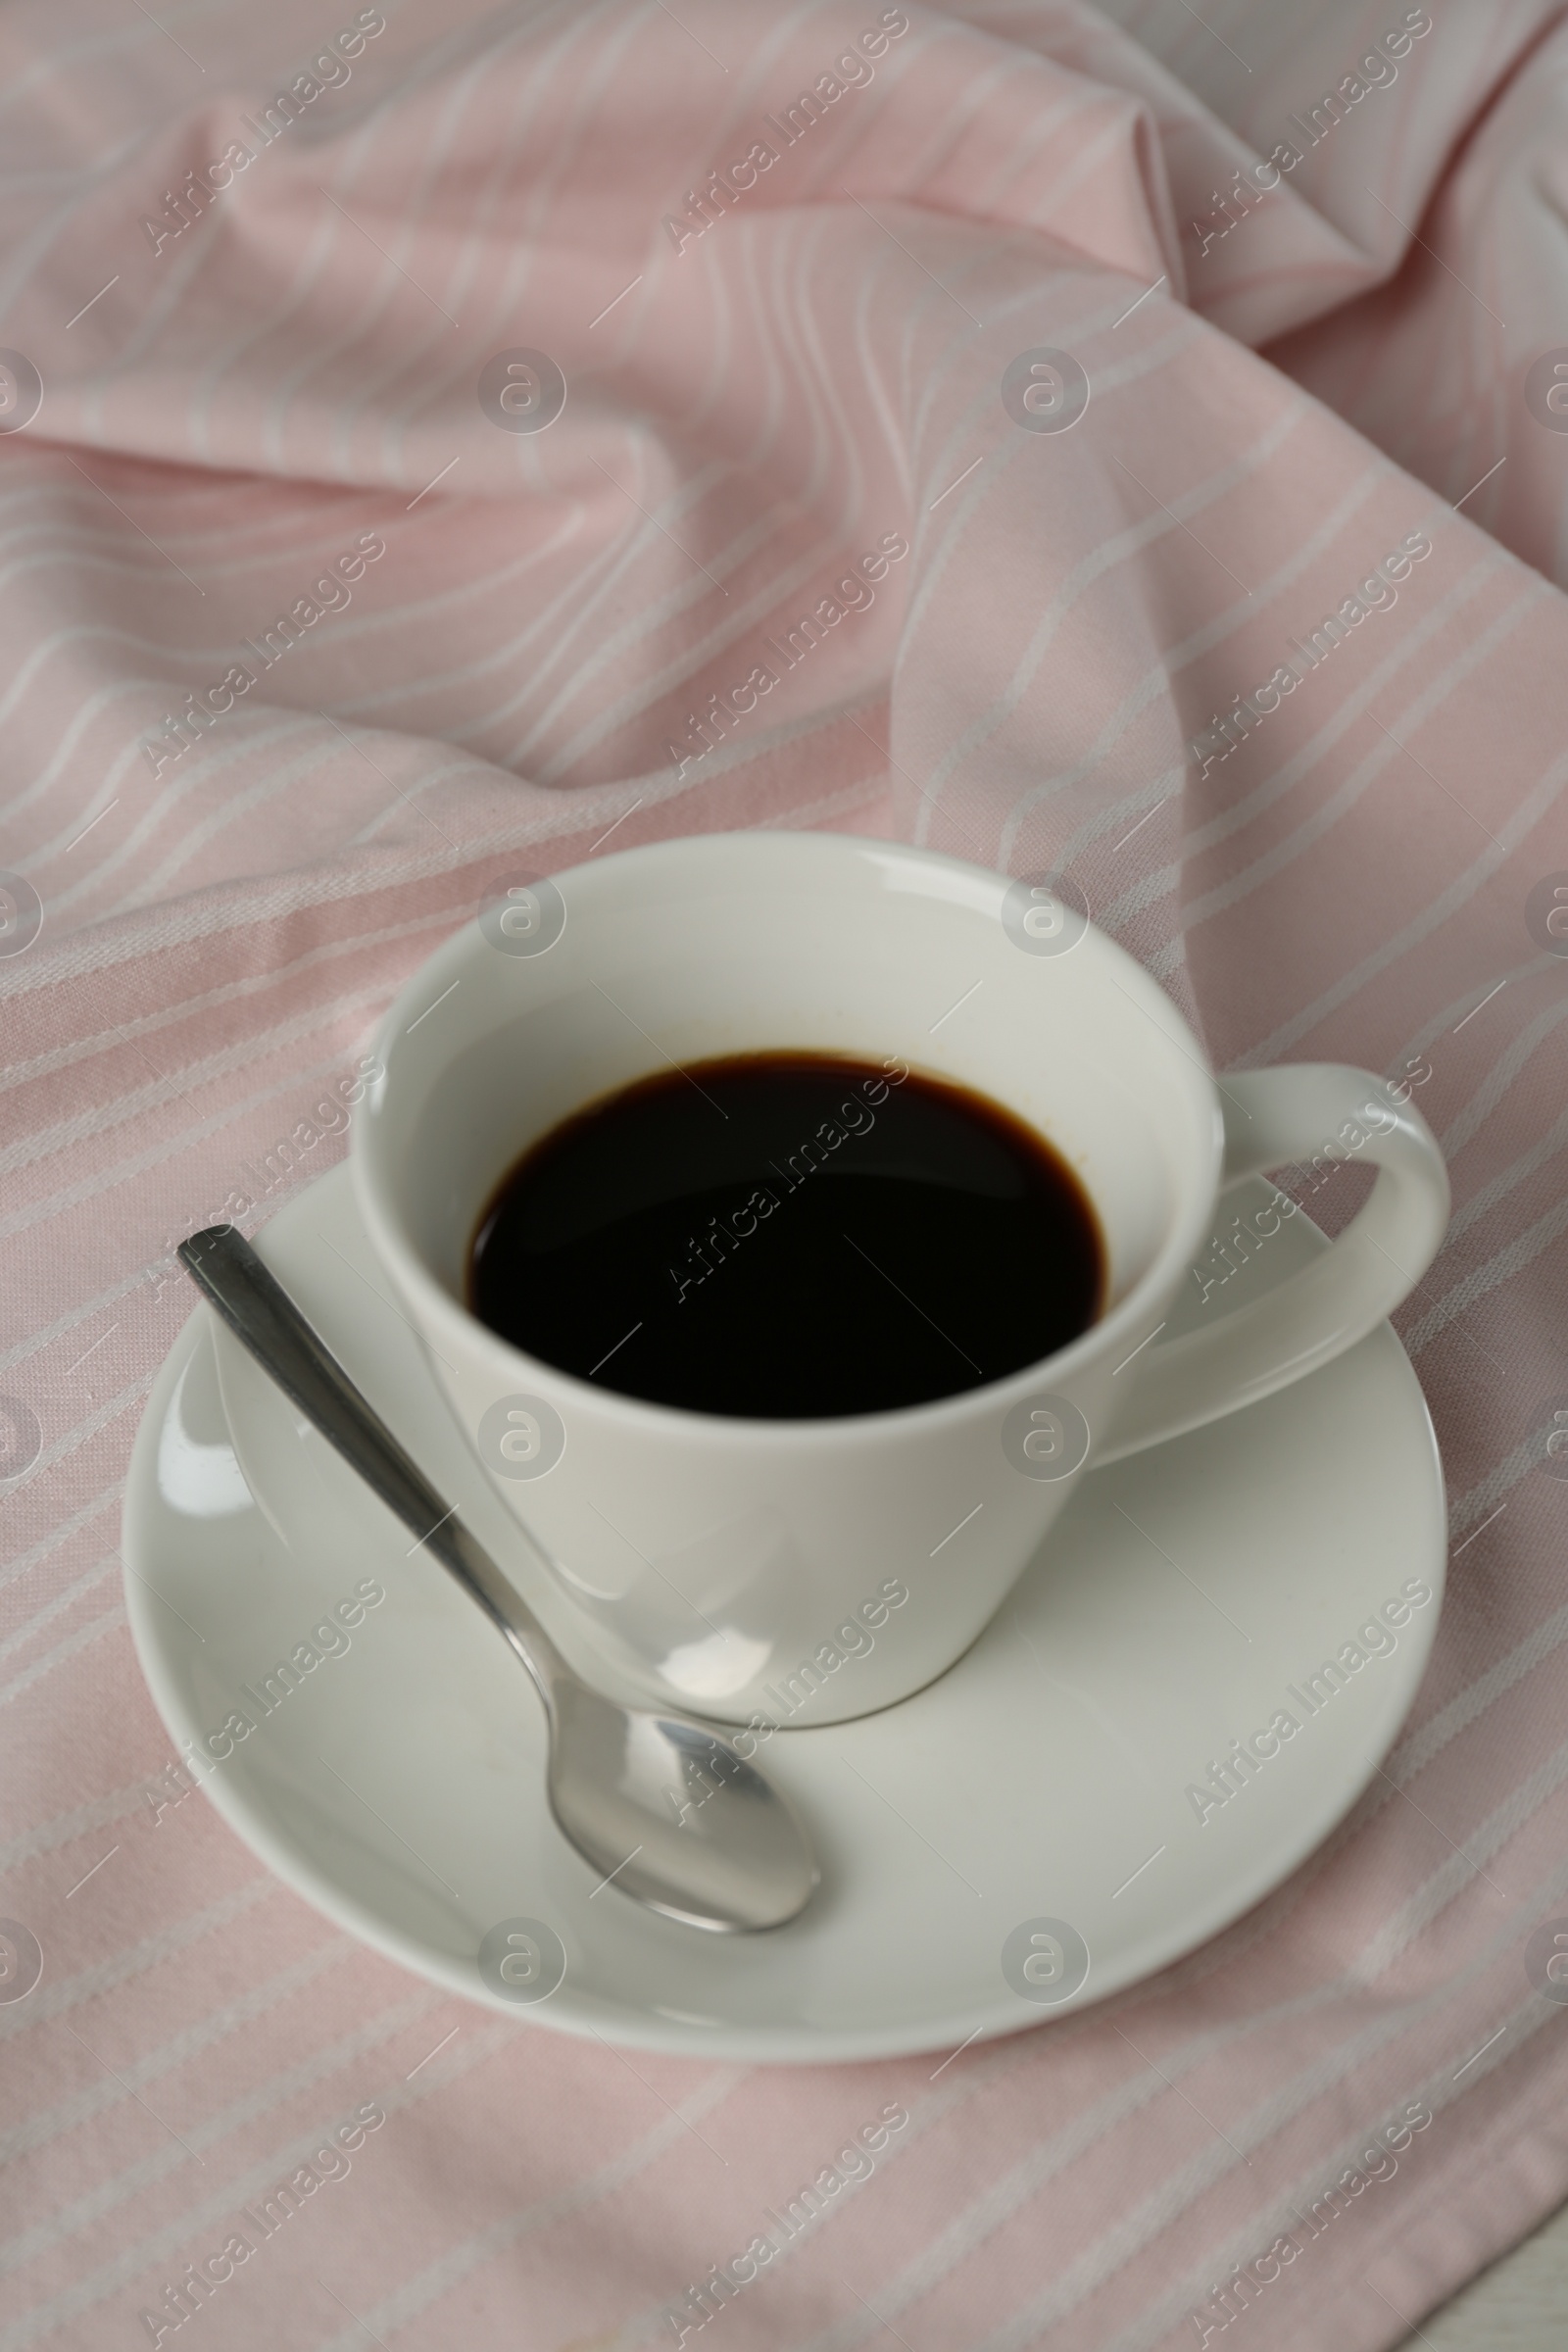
{"points": [[1275, 1118]]}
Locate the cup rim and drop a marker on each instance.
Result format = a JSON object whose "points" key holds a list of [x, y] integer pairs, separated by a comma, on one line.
{"points": [[516, 1368]]}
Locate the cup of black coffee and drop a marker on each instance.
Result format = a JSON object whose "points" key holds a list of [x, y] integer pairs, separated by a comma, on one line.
{"points": [[788, 1219]]}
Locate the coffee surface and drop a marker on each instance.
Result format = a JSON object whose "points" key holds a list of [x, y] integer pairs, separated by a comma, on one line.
{"points": [[790, 1236]]}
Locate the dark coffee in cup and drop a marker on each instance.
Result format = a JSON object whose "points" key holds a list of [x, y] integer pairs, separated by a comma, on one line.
{"points": [[789, 1236]]}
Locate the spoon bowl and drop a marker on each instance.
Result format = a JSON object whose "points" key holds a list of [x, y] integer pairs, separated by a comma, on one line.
{"points": [[674, 1816]]}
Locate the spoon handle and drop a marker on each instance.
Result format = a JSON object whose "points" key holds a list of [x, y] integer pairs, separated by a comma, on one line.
{"points": [[265, 1319]]}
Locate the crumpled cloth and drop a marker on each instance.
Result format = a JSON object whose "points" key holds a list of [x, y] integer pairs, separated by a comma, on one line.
{"points": [[320, 613]]}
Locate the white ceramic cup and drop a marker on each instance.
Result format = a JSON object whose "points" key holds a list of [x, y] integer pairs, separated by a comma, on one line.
{"points": [[810, 1571]]}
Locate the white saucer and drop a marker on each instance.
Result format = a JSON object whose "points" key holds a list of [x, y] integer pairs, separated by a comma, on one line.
{"points": [[1045, 1779]]}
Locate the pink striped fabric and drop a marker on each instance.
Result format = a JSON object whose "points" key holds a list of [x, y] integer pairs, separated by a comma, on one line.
{"points": [[251, 383]]}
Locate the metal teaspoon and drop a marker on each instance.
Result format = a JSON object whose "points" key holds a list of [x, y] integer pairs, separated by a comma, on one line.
{"points": [[620, 1780]]}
